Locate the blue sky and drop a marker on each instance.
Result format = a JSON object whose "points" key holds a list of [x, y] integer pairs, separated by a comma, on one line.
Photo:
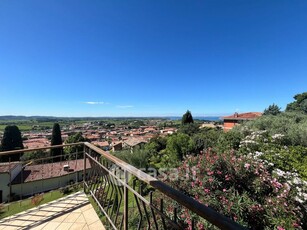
{"points": [[150, 57]]}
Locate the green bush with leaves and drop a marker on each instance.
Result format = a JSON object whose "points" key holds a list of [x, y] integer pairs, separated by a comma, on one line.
{"points": [[292, 125], [139, 157], [239, 187]]}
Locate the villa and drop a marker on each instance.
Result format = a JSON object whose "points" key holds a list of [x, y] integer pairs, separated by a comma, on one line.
{"points": [[237, 118], [21, 180]]}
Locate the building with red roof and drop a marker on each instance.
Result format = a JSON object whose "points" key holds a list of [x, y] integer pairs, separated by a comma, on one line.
{"points": [[237, 118]]}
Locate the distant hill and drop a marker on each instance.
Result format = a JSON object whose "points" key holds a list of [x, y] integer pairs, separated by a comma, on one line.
{"points": [[12, 117], [203, 118], [52, 118]]}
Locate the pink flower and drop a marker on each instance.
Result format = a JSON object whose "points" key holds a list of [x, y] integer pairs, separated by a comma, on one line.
{"points": [[280, 228], [207, 190], [224, 190], [247, 165]]}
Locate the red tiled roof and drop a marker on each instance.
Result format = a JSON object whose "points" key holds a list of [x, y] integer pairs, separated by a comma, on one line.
{"points": [[49, 170], [135, 141], [36, 143], [117, 143], [101, 143], [243, 116]]}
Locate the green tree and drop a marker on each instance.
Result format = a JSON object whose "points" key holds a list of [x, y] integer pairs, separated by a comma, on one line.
{"points": [[189, 129], [177, 147], [75, 149], [56, 139], [187, 124], [11, 141], [300, 103], [35, 155], [187, 118], [139, 158], [208, 138], [272, 110]]}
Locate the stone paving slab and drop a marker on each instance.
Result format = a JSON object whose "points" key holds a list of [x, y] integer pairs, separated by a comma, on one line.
{"points": [[73, 212]]}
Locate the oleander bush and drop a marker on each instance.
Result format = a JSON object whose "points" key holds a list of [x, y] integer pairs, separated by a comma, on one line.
{"points": [[241, 188]]}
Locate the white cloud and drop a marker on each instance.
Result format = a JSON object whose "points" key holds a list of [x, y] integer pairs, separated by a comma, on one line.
{"points": [[124, 106], [95, 102]]}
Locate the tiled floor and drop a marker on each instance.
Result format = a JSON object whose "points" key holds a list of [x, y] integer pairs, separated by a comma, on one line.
{"points": [[73, 212]]}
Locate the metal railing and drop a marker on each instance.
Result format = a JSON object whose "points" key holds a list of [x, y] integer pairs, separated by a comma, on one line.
{"points": [[131, 199], [34, 171], [128, 198]]}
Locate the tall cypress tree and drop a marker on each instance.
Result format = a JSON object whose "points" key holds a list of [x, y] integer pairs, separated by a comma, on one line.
{"points": [[56, 139], [187, 118], [11, 141]]}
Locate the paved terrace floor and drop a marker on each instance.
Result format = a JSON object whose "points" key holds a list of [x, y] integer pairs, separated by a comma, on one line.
{"points": [[73, 212]]}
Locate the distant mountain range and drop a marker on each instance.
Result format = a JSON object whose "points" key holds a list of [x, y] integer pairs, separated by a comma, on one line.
{"points": [[52, 118], [203, 118], [13, 117]]}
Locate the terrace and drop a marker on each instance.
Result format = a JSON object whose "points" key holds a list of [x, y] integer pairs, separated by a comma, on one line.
{"points": [[124, 196]]}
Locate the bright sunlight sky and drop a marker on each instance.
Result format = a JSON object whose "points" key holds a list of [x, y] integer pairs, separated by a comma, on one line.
{"points": [[150, 57]]}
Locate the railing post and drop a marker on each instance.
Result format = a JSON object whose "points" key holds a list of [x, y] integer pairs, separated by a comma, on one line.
{"points": [[84, 169], [126, 201]]}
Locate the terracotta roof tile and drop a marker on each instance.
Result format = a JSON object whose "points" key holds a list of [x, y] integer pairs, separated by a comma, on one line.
{"points": [[49, 170], [243, 116]]}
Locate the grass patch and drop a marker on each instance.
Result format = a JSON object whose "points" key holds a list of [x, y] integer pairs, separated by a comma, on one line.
{"points": [[20, 206]]}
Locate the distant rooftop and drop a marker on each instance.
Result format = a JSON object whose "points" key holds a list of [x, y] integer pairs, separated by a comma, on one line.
{"points": [[49, 170], [243, 116]]}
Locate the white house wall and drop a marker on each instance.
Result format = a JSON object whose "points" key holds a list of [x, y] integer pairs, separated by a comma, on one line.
{"points": [[34, 187]]}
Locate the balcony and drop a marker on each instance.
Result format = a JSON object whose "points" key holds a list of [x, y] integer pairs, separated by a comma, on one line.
{"points": [[125, 197]]}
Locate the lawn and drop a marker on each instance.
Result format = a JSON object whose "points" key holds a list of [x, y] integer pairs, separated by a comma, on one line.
{"points": [[20, 206]]}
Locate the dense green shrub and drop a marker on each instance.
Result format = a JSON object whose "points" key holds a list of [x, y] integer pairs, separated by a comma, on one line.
{"points": [[292, 125], [239, 187], [138, 157]]}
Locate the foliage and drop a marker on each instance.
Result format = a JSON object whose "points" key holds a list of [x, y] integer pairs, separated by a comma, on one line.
{"points": [[75, 149], [189, 129], [11, 141], [34, 155], [239, 187], [208, 138], [156, 144], [273, 149], [178, 146], [56, 139], [300, 103], [272, 110], [139, 158], [292, 125], [229, 140], [187, 118]]}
